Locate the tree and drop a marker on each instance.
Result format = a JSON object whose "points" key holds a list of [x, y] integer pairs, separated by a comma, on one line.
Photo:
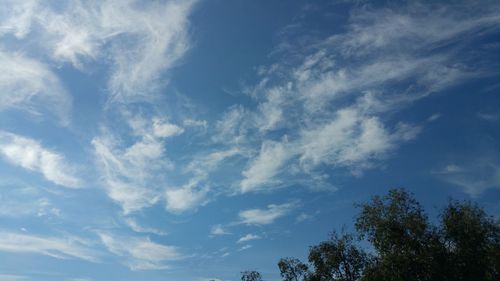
{"points": [[399, 231], [292, 269], [404, 245], [251, 275], [472, 241], [337, 259]]}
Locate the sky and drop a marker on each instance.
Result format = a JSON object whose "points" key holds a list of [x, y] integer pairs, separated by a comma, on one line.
{"points": [[191, 140]]}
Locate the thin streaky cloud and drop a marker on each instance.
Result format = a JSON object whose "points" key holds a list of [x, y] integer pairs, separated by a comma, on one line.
{"points": [[31, 86], [141, 40], [265, 216], [248, 237], [132, 174], [135, 226], [32, 156], [57, 247], [140, 253], [474, 177], [11, 277], [219, 230], [125, 103], [342, 112]]}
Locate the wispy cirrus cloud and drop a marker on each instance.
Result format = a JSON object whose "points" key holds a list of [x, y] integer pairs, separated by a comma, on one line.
{"points": [[140, 40], [196, 191], [140, 253], [135, 42], [208, 279], [375, 29], [31, 86], [332, 98], [473, 178], [491, 117], [135, 226], [186, 197], [248, 237], [11, 277], [265, 166], [32, 156], [245, 247], [131, 174], [265, 216], [302, 217], [21, 200], [219, 230], [359, 140], [162, 33], [61, 248]]}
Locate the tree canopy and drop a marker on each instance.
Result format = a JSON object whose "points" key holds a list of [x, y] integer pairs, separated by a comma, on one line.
{"points": [[404, 245]]}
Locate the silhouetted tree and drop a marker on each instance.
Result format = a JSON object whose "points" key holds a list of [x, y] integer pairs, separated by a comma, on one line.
{"points": [[337, 259], [251, 275], [399, 231], [292, 269], [472, 241], [405, 246]]}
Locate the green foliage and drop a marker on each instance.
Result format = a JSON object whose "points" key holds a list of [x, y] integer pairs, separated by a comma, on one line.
{"points": [[405, 246]]}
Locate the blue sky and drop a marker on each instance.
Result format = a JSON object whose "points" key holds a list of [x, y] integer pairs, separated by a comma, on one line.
{"points": [[191, 140]]}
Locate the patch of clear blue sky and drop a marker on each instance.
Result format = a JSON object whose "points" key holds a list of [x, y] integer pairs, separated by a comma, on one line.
{"points": [[229, 41]]}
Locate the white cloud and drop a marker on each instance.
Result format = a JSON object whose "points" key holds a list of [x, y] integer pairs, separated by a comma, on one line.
{"points": [[137, 42], [135, 226], [225, 254], [122, 185], [164, 130], [195, 123], [303, 217], [30, 155], [414, 26], [142, 40], [271, 110], [434, 117], [219, 230], [202, 165], [334, 98], [186, 197], [17, 16], [45, 208], [140, 254], [352, 140], [492, 117], [248, 237], [232, 127], [161, 40], [474, 178], [31, 86], [195, 192], [265, 216], [19, 201], [9, 277], [61, 248], [265, 166], [243, 248], [132, 174]]}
